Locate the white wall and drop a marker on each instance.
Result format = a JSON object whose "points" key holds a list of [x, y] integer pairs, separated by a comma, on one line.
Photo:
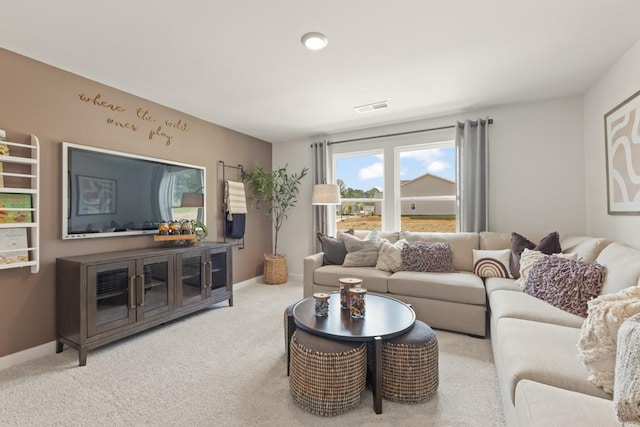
{"points": [[536, 178], [619, 82]]}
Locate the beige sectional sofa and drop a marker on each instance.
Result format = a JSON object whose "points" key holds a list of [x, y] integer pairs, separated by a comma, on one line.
{"points": [[452, 301], [542, 381]]}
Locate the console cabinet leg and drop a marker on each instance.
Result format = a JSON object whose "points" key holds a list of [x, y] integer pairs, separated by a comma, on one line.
{"points": [[59, 346], [82, 356]]}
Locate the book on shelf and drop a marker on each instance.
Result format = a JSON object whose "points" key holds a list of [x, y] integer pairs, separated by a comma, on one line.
{"points": [[13, 245], [15, 208]]}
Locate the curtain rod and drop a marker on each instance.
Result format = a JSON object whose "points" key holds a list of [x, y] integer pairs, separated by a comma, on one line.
{"points": [[490, 121]]}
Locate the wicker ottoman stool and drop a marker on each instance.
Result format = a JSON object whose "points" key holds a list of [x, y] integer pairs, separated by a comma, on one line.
{"points": [[289, 329], [410, 365], [327, 377]]}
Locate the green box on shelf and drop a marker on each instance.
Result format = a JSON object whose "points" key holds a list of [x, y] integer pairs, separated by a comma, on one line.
{"points": [[15, 208]]}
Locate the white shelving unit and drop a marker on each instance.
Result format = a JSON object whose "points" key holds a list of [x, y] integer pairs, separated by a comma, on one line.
{"points": [[33, 188]]}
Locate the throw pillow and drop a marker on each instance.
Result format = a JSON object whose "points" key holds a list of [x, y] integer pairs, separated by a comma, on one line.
{"points": [[361, 253], [626, 395], [390, 255], [333, 249], [529, 258], [598, 337], [427, 257], [564, 283], [488, 263], [550, 244]]}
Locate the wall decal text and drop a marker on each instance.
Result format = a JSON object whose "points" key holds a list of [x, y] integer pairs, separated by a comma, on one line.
{"points": [[98, 103]]}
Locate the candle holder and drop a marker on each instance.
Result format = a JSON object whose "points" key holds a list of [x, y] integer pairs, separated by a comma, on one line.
{"points": [[347, 283], [321, 304], [357, 303]]}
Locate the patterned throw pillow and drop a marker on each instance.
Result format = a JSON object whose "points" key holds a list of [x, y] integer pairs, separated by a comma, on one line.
{"points": [[550, 244], [529, 258], [488, 263], [390, 255], [361, 253], [564, 283], [428, 257]]}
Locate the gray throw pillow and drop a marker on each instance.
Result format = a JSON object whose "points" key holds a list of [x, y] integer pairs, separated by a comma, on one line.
{"points": [[361, 253], [334, 249], [435, 257], [564, 283], [548, 245]]}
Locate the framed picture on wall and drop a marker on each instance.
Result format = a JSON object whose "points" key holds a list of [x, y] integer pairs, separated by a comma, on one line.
{"points": [[96, 196], [622, 134]]}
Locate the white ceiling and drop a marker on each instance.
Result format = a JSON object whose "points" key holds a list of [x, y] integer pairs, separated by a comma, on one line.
{"points": [[240, 63]]}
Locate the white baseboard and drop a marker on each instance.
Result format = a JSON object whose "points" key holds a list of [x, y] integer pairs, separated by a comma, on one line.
{"points": [[26, 355]]}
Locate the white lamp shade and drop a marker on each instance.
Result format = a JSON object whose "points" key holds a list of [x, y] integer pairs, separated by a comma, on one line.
{"points": [[326, 194]]}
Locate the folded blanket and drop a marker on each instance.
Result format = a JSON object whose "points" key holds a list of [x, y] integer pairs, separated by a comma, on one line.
{"points": [[234, 227], [234, 199]]}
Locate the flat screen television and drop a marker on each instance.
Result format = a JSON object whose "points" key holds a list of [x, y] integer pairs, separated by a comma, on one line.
{"points": [[109, 193]]}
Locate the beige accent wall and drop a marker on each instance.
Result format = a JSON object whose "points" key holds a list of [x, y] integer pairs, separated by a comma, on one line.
{"points": [[43, 100]]}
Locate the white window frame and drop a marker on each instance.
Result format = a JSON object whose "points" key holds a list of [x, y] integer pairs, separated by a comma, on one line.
{"points": [[390, 148]]}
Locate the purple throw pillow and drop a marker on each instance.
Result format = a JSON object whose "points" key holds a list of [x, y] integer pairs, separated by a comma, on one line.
{"points": [[550, 244], [565, 283], [427, 257]]}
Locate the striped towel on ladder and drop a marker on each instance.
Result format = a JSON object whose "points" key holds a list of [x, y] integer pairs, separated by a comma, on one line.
{"points": [[234, 199]]}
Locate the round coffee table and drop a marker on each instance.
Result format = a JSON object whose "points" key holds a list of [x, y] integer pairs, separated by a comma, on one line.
{"points": [[385, 318]]}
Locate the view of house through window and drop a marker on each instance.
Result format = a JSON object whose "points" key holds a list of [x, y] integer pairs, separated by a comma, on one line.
{"points": [[361, 178], [422, 188]]}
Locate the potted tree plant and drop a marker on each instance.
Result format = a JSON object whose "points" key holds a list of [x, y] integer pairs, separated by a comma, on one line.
{"points": [[278, 190]]}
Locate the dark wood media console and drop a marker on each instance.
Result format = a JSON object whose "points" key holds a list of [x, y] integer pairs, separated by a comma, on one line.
{"points": [[101, 298]]}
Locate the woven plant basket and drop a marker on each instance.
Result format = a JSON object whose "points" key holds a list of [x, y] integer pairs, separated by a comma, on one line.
{"points": [[275, 269]]}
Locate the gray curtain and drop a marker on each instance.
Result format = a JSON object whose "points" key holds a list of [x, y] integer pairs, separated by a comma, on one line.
{"points": [[319, 176], [472, 180]]}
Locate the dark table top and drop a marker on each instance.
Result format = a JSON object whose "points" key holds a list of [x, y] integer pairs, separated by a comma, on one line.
{"points": [[385, 317]]}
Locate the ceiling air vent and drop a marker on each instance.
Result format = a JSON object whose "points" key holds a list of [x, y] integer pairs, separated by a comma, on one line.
{"points": [[372, 107]]}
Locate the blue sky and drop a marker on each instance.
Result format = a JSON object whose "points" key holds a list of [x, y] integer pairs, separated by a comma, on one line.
{"points": [[365, 172]]}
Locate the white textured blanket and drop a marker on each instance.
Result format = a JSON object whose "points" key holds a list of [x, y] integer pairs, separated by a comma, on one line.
{"points": [[598, 338], [234, 198], [626, 397]]}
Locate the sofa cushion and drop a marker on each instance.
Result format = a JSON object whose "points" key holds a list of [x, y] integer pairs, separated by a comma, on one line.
{"points": [[529, 258], [461, 245], [460, 287], [372, 279], [361, 252], [427, 257], [491, 263], [390, 255], [549, 244], [543, 405], [518, 305], [565, 283], [541, 352], [333, 249], [623, 267], [498, 283], [598, 338], [586, 248]]}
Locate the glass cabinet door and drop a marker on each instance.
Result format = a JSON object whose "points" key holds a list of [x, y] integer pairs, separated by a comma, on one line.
{"points": [[190, 278], [218, 272], [111, 296], [155, 286]]}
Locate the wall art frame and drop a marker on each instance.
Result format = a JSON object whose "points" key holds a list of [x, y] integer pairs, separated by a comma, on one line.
{"points": [[622, 144], [97, 196]]}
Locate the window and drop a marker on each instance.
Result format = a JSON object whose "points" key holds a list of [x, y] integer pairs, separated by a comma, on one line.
{"points": [[360, 177], [401, 183]]}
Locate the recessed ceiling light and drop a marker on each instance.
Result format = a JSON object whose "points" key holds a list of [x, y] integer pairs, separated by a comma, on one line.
{"points": [[372, 107], [314, 41]]}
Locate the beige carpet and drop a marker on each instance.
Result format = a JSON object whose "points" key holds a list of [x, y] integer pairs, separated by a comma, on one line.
{"points": [[226, 367]]}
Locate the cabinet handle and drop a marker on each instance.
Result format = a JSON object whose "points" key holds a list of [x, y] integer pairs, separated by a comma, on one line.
{"points": [[210, 275], [132, 295], [141, 277]]}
